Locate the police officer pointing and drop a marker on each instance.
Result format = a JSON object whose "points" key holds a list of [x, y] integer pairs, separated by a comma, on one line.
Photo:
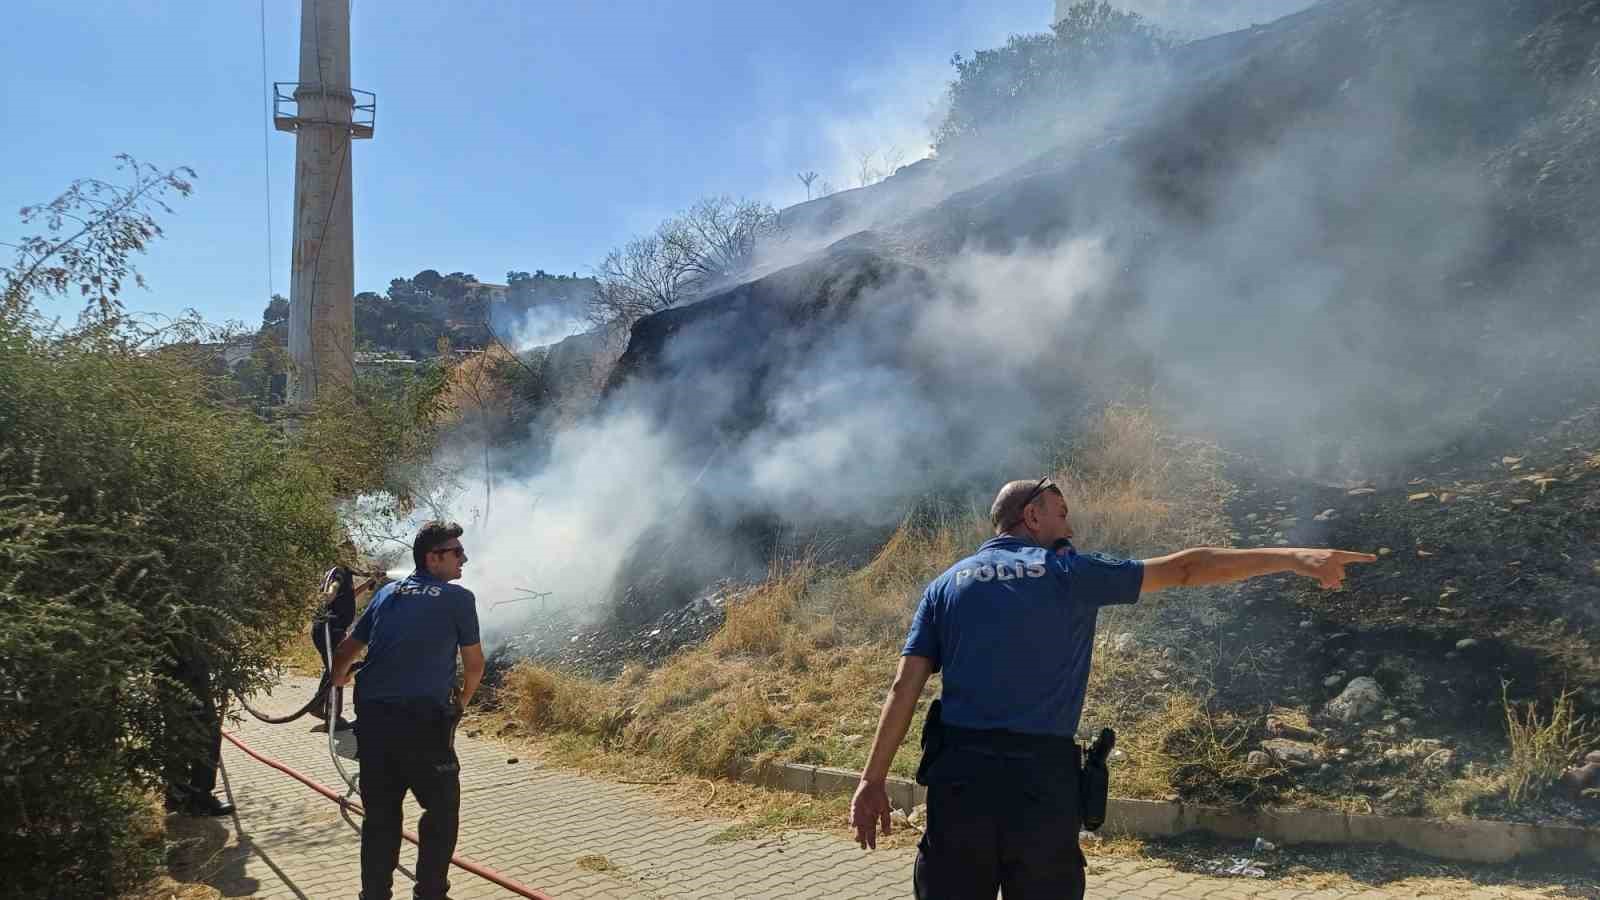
{"points": [[405, 717], [1012, 629]]}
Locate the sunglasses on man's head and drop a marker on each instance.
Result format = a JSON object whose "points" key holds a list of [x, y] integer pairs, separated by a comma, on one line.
{"points": [[1038, 488]]}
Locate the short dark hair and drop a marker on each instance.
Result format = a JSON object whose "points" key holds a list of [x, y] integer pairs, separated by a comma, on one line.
{"points": [[429, 537]]}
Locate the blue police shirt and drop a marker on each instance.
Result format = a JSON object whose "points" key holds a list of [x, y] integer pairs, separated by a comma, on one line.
{"points": [[1012, 628], [412, 629]]}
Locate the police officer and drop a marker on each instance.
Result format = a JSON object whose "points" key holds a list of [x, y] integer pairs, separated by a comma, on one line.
{"points": [[1012, 628], [193, 734], [328, 631], [412, 631]]}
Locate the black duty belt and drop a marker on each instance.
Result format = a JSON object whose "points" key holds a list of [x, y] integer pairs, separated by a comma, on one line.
{"points": [[1012, 744], [408, 705]]}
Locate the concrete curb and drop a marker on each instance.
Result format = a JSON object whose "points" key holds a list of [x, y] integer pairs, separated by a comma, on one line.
{"points": [[1461, 840]]}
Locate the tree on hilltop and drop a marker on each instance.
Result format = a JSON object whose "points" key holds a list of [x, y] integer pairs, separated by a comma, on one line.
{"points": [[1024, 87]]}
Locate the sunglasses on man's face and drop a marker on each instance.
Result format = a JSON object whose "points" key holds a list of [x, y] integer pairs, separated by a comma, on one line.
{"points": [[458, 551]]}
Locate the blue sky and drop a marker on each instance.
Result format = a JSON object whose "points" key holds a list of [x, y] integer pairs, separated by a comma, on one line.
{"points": [[511, 135]]}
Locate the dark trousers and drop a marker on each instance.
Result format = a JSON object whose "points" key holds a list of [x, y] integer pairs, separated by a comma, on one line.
{"points": [[1001, 819], [405, 745], [193, 734]]}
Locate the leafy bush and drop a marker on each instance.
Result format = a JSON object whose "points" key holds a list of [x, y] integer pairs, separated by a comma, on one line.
{"points": [[140, 523], [1020, 92], [143, 521], [381, 436]]}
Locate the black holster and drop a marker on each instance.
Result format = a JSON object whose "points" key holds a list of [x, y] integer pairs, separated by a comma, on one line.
{"points": [[1095, 781]]}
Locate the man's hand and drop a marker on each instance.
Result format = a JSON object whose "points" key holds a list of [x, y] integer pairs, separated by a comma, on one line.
{"points": [[342, 679], [869, 808], [1327, 566]]}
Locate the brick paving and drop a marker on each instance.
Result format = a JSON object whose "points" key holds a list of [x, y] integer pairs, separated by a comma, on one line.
{"points": [[534, 824]]}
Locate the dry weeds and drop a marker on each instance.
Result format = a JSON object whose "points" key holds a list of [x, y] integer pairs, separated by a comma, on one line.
{"points": [[1542, 748], [800, 666]]}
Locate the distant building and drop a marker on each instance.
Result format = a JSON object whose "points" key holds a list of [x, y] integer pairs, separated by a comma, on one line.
{"points": [[494, 293], [230, 353]]}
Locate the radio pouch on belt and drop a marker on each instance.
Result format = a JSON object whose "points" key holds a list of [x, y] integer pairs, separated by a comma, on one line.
{"points": [[1095, 781], [932, 739]]}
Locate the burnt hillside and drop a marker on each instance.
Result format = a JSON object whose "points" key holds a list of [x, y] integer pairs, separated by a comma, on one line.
{"points": [[1350, 248]]}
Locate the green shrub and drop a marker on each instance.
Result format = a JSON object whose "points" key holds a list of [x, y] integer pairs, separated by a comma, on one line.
{"points": [[140, 522], [143, 520]]}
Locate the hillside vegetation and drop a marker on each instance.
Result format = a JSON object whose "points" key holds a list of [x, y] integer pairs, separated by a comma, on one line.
{"points": [[1220, 695]]}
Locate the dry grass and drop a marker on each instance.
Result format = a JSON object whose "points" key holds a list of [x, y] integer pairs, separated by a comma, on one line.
{"points": [[758, 623], [875, 602], [544, 699], [1542, 748], [477, 385], [1459, 796], [1186, 744], [302, 658], [1136, 490], [168, 888], [800, 667]]}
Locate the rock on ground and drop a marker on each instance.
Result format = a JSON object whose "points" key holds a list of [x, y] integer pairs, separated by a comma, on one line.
{"points": [[1360, 699]]}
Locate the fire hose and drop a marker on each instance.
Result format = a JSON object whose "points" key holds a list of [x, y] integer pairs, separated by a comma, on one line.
{"points": [[322, 688], [345, 802]]}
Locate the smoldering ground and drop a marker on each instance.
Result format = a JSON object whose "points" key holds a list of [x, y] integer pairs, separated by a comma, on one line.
{"points": [[1296, 252]]}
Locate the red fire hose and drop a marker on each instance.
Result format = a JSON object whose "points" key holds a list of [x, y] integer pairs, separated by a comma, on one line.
{"points": [[460, 862]]}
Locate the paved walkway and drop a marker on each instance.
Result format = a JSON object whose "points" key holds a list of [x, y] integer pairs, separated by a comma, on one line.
{"points": [[535, 824]]}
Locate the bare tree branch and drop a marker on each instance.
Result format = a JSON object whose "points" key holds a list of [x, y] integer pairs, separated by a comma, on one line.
{"points": [[95, 256], [711, 241]]}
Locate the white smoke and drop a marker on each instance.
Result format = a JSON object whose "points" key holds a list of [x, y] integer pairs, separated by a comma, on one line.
{"points": [[543, 326], [1267, 317]]}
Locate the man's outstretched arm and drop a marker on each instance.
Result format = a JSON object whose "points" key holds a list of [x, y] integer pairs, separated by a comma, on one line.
{"points": [[870, 807], [1214, 565]]}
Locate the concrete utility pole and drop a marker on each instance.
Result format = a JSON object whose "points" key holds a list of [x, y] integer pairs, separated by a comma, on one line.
{"points": [[325, 115]]}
